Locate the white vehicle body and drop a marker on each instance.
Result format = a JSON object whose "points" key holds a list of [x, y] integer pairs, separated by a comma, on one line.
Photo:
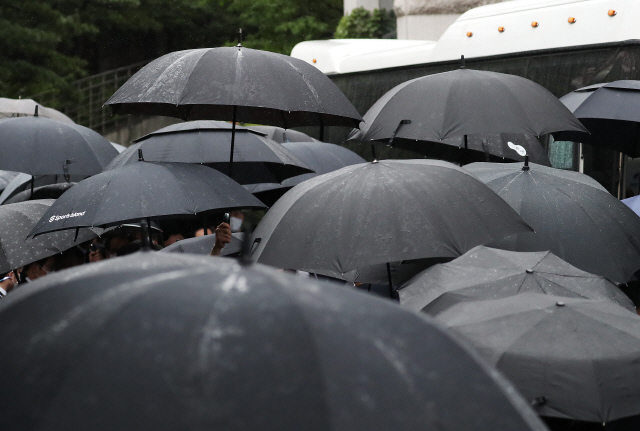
{"points": [[502, 28]]}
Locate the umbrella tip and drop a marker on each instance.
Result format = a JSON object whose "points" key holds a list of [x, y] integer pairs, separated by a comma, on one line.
{"points": [[239, 45], [525, 167], [560, 304], [36, 113], [529, 271], [140, 157], [462, 66]]}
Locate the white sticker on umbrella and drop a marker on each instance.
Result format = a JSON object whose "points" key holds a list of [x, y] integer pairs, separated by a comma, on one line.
{"points": [[517, 148]]}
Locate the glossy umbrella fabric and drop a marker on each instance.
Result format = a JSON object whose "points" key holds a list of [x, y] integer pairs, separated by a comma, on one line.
{"points": [[264, 87], [381, 212], [27, 107], [42, 146], [610, 112], [463, 102], [256, 158], [50, 191], [17, 220], [217, 345], [485, 273], [281, 135], [204, 244], [321, 157], [143, 190], [572, 216], [571, 358]]}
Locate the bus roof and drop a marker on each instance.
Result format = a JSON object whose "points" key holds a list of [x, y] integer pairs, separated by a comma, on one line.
{"points": [[495, 29]]}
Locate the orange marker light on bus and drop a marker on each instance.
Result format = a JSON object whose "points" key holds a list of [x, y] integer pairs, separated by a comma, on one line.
{"points": [[572, 20], [612, 12], [534, 24], [501, 29], [469, 34], [314, 61]]}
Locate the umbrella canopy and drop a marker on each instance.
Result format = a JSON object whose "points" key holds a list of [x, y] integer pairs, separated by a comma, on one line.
{"points": [[321, 157], [256, 158], [234, 348], [17, 220], [22, 182], [281, 135], [144, 190], [6, 177], [235, 84], [444, 107], [610, 112], [381, 212], [41, 146], [50, 191], [27, 107], [572, 216], [633, 203], [571, 358], [204, 244], [486, 273]]}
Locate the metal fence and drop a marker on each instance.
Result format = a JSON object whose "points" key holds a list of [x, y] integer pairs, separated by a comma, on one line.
{"points": [[83, 104]]}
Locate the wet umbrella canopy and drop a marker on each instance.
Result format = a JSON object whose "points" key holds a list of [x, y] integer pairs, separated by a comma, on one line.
{"points": [[281, 135], [234, 348], [17, 220], [611, 113], [27, 107], [144, 190], [41, 146], [381, 212], [571, 358], [486, 273], [572, 216], [445, 106], [235, 84], [321, 157], [256, 158]]}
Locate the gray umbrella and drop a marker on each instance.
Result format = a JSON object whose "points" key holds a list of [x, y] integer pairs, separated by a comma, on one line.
{"points": [[381, 212], [17, 220], [218, 345], [256, 158], [22, 182], [145, 190], [6, 177], [50, 191], [460, 103], [27, 107], [572, 216], [204, 244], [571, 358], [41, 146], [486, 273], [282, 136], [321, 157]]}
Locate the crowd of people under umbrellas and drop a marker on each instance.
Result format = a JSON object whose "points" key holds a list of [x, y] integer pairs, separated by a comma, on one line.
{"points": [[521, 264]]}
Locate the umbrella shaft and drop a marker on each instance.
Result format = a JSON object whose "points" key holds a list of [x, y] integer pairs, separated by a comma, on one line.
{"points": [[233, 141]]}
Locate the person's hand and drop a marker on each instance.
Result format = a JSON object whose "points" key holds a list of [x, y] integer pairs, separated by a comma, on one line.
{"points": [[95, 256], [223, 236]]}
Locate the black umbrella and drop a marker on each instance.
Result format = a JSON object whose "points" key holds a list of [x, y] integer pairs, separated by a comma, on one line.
{"points": [[610, 112], [380, 212], [281, 135], [454, 105], [145, 190], [256, 158], [218, 345], [321, 157], [17, 220], [42, 146], [6, 177], [50, 191], [24, 182], [487, 273], [571, 358], [572, 216], [204, 244]]}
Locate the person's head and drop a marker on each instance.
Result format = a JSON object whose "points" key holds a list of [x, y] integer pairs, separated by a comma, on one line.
{"points": [[235, 220], [173, 238], [8, 281], [40, 268], [115, 243]]}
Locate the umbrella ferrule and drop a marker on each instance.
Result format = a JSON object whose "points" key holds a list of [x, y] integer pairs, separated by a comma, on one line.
{"points": [[239, 45], [462, 66], [140, 157], [526, 163]]}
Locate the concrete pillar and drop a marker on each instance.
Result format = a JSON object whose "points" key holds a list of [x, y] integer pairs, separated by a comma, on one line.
{"points": [[350, 5]]}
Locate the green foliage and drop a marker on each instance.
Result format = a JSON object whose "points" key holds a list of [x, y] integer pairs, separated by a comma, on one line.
{"points": [[363, 24], [278, 25]]}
